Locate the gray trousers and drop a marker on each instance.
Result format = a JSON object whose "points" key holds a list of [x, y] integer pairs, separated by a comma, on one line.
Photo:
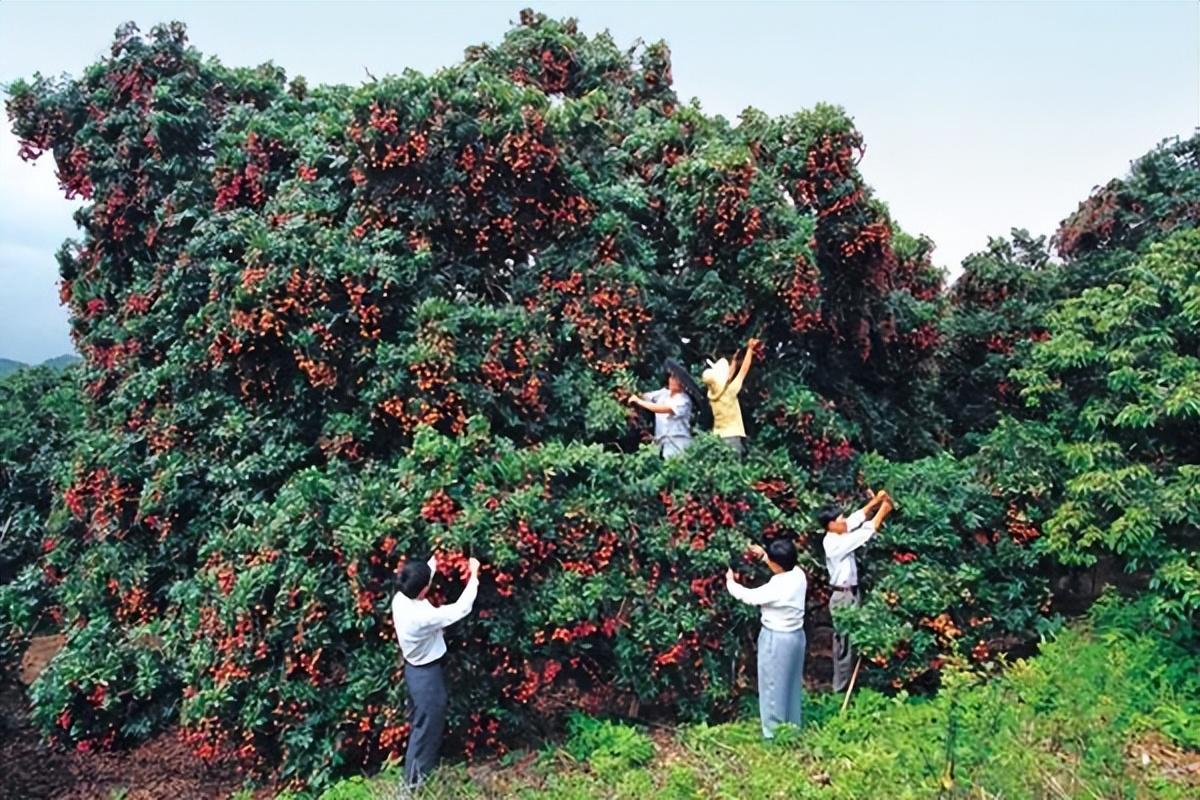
{"points": [[427, 716], [843, 653], [780, 678], [736, 443], [671, 446]]}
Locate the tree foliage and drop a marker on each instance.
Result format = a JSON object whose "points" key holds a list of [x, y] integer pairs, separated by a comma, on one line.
{"points": [[326, 329], [40, 413], [1119, 382]]}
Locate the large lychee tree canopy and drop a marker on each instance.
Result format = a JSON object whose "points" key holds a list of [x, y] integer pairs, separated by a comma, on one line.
{"points": [[328, 328]]}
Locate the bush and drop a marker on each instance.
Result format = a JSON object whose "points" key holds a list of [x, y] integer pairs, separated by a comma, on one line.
{"points": [[997, 311], [40, 413], [608, 747], [1118, 381], [953, 572], [327, 329]]}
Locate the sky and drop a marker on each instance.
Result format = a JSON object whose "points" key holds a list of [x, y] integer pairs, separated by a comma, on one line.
{"points": [[978, 116]]}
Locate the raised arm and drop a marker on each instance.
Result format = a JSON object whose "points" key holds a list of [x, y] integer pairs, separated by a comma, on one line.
{"points": [[766, 593], [885, 508], [877, 499], [447, 615], [735, 383], [751, 346]]}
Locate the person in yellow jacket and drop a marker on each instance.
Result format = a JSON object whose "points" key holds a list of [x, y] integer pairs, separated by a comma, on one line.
{"points": [[723, 397]]}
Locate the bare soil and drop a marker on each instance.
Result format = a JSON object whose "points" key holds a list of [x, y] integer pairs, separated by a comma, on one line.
{"points": [[160, 768]]}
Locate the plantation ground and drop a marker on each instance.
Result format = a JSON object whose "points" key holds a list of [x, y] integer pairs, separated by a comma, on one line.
{"points": [[33, 770], [1110, 708]]}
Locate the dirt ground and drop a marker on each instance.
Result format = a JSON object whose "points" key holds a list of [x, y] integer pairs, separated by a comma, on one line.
{"points": [[160, 768]]}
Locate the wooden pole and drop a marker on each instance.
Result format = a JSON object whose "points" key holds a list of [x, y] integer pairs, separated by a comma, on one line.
{"points": [[850, 688]]}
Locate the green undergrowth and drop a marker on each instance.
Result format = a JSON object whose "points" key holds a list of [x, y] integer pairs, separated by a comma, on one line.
{"points": [[1071, 722]]}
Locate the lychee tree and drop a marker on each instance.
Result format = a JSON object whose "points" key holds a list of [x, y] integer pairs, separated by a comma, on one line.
{"points": [[328, 328]]}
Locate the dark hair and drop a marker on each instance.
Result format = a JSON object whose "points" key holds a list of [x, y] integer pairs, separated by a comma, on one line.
{"points": [[414, 576], [782, 552], [827, 515]]}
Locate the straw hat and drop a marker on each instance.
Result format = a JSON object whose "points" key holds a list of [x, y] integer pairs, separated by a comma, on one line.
{"points": [[717, 374]]}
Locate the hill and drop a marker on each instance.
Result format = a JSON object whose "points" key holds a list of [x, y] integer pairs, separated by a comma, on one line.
{"points": [[61, 362], [58, 363]]}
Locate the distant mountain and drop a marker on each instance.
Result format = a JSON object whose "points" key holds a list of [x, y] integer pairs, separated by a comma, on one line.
{"points": [[8, 366], [61, 362]]}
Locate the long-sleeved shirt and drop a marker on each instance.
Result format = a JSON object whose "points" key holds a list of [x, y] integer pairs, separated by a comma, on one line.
{"points": [[419, 623], [780, 599], [840, 547]]}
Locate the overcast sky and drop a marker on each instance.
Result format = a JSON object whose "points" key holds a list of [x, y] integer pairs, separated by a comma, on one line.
{"points": [[978, 117]]}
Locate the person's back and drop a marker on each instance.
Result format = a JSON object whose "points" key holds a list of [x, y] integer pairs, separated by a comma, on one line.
{"points": [[783, 607], [723, 390], [723, 397], [781, 642], [419, 625]]}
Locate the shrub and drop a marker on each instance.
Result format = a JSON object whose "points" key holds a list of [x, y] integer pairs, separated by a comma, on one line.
{"points": [[954, 571], [998, 310], [608, 747], [40, 413], [1118, 382]]}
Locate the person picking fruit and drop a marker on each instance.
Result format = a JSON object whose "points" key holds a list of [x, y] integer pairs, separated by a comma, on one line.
{"points": [[843, 536], [723, 397], [419, 625], [781, 642], [672, 409]]}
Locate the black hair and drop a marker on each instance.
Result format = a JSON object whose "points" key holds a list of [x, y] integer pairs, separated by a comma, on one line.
{"points": [[414, 577], [782, 552], [827, 515]]}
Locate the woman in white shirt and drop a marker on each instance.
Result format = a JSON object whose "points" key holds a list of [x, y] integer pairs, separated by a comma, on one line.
{"points": [[781, 642]]}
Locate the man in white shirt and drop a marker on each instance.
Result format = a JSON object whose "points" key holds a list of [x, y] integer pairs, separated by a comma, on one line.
{"points": [[843, 536], [781, 642], [419, 626]]}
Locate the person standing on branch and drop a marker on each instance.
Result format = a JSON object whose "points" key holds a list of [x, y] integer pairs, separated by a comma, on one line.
{"points": [[723, 388], [672, 409], [843, 536], [419, 626], [781, 642]]}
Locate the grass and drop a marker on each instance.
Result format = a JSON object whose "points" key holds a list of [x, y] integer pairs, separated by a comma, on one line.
{"points": [[1109, 709]]}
